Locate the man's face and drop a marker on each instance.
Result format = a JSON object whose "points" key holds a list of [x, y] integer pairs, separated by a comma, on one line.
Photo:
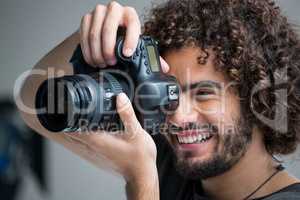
{"points": [[212, 135]]}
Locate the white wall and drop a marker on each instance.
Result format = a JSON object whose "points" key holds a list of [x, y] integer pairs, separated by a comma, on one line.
{"points": [[28, 30]]}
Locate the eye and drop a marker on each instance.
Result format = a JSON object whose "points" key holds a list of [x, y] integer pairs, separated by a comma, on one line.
{"points": [[205, 94]]}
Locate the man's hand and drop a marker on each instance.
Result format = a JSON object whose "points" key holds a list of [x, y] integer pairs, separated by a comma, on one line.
{"points": [[131, 152], [98, 34]]}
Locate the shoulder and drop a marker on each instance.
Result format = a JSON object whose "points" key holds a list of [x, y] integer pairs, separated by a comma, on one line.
{"points": [[291, 192]]}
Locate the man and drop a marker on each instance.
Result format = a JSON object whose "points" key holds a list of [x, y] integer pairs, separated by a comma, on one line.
{"points": [[237, 62]]}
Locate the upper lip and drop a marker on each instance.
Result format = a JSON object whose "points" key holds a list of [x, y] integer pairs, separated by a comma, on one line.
{"points": [[192, 132]]}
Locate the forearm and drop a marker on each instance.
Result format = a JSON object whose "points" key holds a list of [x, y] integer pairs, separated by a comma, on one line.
{"points": [[55, 63], [145, 187]]}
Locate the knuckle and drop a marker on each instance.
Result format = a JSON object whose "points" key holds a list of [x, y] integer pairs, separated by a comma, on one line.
{"points": [[130, 10], [113, 5], [86, 18], [132, 15], [106, 29], [126, 114], [85, 21], [99, 7]]}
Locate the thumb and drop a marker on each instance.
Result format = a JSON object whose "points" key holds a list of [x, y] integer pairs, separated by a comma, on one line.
{"points": [[127, 115], [164, 65]]}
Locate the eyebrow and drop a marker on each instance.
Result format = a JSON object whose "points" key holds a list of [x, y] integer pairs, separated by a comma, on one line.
{"points": [[206, 84]]}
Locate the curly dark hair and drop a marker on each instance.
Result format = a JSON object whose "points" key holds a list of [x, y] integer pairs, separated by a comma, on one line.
{"points": [[254, 45]]}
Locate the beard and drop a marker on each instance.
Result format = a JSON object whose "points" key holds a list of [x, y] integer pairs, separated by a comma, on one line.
{"points": [[231, 147]]}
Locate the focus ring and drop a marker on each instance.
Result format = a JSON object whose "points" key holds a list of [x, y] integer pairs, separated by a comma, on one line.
{"points": [[115, 85]]}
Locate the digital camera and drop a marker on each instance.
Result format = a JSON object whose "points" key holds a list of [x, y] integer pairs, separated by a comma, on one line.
{"points": [[80, 101]]}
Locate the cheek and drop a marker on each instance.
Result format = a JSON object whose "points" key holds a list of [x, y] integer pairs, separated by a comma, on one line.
{"points": [[231, 114], [212, 110], [223, 112], [210, 107]]}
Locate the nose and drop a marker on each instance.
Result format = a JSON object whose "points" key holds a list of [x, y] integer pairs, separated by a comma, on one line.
{"points": [[185, 113]]}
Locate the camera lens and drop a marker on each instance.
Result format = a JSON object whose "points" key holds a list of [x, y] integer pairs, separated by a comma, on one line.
{"points": [[78, 102]]}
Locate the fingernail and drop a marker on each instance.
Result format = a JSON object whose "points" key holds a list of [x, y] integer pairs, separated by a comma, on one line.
{"points": [[123, 97], [164, 65], [123, 100], [128, 52]]}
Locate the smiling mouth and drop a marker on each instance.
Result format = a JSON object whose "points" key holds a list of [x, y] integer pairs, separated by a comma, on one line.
{"points": [[193, 137]]}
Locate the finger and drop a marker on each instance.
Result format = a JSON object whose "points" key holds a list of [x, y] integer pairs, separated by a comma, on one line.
{"points": [[101, 144], [87, 152], [99, 139], [95, 35], [109, 31], [133, 31], [164, 65], [127, 115], [84, 38]]}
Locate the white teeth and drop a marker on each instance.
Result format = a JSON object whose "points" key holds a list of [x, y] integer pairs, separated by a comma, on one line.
{"points": [[199, 137], [193, 138], [185, 140], [189, 139]]}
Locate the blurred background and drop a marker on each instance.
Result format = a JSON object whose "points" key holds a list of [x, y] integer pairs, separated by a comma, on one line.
{"points": [[30, 167]]}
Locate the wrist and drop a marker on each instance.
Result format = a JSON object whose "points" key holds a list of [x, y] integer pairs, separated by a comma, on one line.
{"points": [[144, 171], [143, 186]]}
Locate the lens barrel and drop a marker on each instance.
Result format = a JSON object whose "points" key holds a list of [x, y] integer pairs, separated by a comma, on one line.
{"points": [[78, 102]]}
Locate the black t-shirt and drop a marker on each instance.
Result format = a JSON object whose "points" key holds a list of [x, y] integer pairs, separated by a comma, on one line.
{"points": [[172, 185]]}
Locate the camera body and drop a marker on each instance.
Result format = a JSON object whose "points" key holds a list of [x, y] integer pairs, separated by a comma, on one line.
{"points": [[88, 101]]}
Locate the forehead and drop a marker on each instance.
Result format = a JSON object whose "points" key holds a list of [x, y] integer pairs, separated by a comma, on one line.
{"points": [[185, 67]]}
